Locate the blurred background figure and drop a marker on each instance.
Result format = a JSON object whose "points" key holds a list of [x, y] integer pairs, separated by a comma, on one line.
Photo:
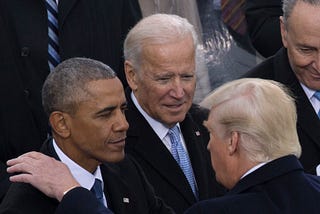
{"points": [[264, 25]]}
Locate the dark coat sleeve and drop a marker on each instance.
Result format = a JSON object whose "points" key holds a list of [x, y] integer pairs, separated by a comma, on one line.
{"points": [[80, 201]]}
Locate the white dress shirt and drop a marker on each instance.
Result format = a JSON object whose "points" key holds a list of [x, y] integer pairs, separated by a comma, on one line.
{"points": [[84, 178]]}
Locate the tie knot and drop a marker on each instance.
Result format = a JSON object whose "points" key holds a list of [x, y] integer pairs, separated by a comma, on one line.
{"points": [[97, 189], [174, 133], [317, 95]]}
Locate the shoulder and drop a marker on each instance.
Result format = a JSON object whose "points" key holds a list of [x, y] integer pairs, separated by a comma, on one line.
{"points": [[270, 66], [240, 203], [24, 198]]}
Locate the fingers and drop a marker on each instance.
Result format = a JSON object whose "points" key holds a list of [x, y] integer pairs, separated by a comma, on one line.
{"points": [[30, 163], [20, 168], [34, 155], [25, 178], [25, 157]]}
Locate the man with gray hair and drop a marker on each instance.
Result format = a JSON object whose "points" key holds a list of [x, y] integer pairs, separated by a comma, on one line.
{"points": [[254, 150], [166, 135], [297, 65], [85, 103]]}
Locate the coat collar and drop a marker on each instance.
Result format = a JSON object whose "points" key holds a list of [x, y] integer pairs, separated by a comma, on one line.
{"points": [[267, 172]]}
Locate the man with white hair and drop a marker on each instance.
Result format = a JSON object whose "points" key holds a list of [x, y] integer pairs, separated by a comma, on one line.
{"points": [[166, 135], [254, 150]]}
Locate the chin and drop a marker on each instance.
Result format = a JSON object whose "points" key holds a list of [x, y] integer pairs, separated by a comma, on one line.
{"points": [[114, 158]]}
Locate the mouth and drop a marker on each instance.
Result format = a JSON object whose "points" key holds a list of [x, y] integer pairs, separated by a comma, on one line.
{"points": [[118, 141], [175, 106]]}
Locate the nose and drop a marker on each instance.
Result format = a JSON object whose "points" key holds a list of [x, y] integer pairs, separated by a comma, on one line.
{"points": [[317, 62], [177, 90], [121, 123]]}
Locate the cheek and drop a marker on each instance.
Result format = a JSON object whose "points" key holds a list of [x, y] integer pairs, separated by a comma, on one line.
{"points": [[212, 153], [298, 60]]}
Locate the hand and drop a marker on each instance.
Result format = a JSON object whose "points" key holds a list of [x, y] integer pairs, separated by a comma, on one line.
{"points": [[50, 176]]}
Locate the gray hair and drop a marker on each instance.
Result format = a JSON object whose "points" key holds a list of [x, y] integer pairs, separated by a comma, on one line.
{"points": [[288, 5], [156, 29], [65, 86], [264, 114]]}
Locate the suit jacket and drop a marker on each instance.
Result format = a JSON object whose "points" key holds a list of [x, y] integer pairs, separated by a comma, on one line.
{"points": [[264, 25], [160, 167], [280, 186], [125, 186], [278, 68], [93, 29]]}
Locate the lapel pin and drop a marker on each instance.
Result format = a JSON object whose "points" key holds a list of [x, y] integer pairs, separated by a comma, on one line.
{"points": [[125, 200], [197, 133]]}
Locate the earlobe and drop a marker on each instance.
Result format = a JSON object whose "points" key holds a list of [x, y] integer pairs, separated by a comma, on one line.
{"points": [[130, 75], [233, 143], [59, 124]]}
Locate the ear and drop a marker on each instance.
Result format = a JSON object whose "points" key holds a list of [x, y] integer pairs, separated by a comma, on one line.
{"points": [[59, 124], [131, 75], [284, 32], [233, 143]]}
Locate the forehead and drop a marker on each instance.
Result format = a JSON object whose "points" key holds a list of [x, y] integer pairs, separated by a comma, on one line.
{"points": [[105, 92], [171, 53], [305, 17]]}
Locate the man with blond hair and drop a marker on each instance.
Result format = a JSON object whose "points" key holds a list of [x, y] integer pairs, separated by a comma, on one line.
{"points": [[254, 150]]}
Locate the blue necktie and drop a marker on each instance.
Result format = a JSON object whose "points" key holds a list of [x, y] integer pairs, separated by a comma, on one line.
{"points": [[181, 156], [317, 95], [53, 39], [97, 191]]}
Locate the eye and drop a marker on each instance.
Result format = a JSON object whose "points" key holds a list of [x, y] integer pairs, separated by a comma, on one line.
{"points": [[187, 76], [163, 79], [105, 114], [306, 50]]}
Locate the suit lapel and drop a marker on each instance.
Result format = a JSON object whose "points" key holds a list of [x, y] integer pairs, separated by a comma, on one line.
{"points": [[64, 7], [115, 189]]}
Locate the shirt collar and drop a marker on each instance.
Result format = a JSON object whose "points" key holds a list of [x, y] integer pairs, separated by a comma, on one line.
{"points": [[309, 92], [253, 169], [160, 129], [84, 178]]}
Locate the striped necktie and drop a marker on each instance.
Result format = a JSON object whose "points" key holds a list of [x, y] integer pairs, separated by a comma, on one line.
{"points": [[317, 95], [232, 15], [181, 156], [53, 39]]}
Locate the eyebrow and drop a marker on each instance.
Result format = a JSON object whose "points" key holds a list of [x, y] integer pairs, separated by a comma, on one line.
{"points": [[107, 109], [110, 108]]}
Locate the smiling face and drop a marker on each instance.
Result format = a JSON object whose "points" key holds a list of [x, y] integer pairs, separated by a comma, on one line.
{"points": [[165, 84], [98, 127], [301, 38]]}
